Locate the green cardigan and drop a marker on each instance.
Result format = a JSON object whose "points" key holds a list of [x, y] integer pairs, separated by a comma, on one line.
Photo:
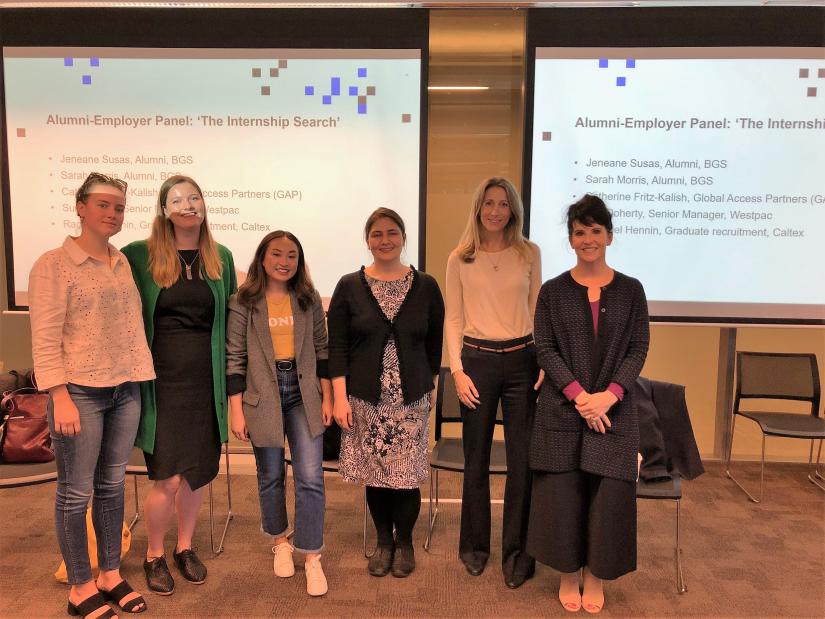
{"points": [[222, 289]]}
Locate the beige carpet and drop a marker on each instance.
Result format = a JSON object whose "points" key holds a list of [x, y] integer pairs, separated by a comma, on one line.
{"points": [[741, 560]]}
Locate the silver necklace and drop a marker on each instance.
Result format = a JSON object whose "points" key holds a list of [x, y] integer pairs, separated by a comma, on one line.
{"points": [[189, 265]]}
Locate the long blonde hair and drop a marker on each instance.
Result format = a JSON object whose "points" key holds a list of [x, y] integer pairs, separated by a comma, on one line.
{"points": [[470, 241], [164, 263]]}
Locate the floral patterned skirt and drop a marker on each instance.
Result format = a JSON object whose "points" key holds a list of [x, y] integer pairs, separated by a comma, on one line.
{"points": [[388, 444]]}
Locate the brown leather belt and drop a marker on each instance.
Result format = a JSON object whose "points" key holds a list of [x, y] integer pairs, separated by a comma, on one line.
{"points": [[500, 350]]}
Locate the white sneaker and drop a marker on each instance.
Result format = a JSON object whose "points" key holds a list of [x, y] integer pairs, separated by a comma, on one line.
{"points": [[316, 581], [283, 565]]}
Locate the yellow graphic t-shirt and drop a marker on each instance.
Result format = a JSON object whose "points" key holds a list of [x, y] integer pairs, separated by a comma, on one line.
{"points": [[281, 327]]}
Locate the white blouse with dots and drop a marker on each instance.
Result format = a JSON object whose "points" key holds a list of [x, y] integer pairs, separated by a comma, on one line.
{"points": [[87, 326]]}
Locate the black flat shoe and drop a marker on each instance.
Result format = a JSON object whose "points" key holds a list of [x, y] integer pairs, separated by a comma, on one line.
{"points": [[403, 562], [190, 566], [90, 605], [158, 577], [134, 607], [381, 561]]}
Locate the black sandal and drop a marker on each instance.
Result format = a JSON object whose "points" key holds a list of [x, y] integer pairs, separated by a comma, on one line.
{"points": [[90, 605], [120, 592]]}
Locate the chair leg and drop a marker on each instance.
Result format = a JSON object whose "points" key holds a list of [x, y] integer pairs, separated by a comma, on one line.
{"points": [[681, 586], [229, 514], [136, 517], [366, 511], [432, 514], [814, 473], [762, 472]]}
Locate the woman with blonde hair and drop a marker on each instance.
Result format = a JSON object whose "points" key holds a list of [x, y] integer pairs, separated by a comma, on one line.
{"points": [[185, 280], [90, 353], [493, 279]]}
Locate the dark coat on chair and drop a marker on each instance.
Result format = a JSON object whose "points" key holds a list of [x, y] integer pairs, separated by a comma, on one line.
{"points": [[666, 434]]}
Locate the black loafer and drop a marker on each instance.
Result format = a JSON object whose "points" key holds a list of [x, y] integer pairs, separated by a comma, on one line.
{"points": [[474, 567], [190, 566], [517, 579], [158, 577], [403, 562], [381, 561]]}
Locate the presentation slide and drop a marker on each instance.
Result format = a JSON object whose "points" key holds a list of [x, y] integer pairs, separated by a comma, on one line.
{"points": [[309, 141], [712, 161]]}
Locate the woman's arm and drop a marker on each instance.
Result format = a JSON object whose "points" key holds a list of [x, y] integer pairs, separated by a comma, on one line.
{"points": [[547, 348], [435, 328], [341, 409], [236, 347], [48, 304], [454, 314], [639, 326], [338, 320], [319, 336]]}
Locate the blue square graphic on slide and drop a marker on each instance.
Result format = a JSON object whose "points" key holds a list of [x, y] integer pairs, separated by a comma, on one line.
{"points": [[620, 81], [94, 61], [326, 99], [309, 90], [602, 63], [630, 63], [362, 72], [87, 79], [353, 91], [68, 62], [362, 108]]}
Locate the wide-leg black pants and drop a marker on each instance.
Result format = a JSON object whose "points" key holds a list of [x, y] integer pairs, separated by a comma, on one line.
{"points": [[509, 378], [578, 519]]}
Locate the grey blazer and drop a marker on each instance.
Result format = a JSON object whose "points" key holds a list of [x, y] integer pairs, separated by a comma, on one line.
{"points": [[249, 355]]}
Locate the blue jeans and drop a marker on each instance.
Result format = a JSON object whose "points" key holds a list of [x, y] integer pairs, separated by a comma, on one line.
{"points": [[307, 463], [93, 462]]}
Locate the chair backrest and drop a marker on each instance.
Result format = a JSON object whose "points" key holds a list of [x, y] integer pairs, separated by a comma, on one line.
{"points": [[447, 406], [777, 376]]}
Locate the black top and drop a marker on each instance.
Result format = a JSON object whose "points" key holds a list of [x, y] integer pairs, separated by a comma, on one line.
{"points": [[187, 305], [359, 330], [568, 350]]}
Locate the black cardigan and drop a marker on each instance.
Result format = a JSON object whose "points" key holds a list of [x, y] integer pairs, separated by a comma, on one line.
{"points": [[359, 331], [567, 350]]}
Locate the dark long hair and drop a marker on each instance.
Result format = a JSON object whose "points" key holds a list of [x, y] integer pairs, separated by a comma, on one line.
{"points": [[251, 291]]}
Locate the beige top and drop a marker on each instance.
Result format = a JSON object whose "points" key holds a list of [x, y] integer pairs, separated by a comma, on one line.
{"points": [[281, 327], [87, 326], [492, 298]]}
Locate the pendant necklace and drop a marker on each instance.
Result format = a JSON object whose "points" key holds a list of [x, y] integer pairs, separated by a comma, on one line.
{"points": [[497, 262], [189, 265]]}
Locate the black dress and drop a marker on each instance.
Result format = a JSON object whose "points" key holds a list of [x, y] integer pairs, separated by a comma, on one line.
{"points": [[187, 438]]}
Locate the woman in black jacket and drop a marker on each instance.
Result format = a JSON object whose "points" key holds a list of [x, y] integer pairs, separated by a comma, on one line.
{"points": [[592, 335], [385, 329]]}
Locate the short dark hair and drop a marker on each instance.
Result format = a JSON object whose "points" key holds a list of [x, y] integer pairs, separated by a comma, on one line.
{"points": [[389, 214], [588, 210]]}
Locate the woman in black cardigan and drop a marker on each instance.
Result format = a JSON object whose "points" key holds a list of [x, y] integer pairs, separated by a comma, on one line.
{"points": [[592, 335], [385, 329]]}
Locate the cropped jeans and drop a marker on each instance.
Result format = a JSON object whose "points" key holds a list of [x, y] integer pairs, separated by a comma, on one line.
{"points": [[306, 454], [92, 465]]}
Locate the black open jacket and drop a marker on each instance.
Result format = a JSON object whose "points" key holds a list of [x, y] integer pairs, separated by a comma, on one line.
{"points": [[359, 331]]}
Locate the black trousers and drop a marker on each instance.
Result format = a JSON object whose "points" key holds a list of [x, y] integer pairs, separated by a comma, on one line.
{"points": [[509, 378], [579, 519]]}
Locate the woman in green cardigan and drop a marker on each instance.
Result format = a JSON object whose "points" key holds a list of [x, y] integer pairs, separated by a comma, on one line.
{"points": [[185, 280]]}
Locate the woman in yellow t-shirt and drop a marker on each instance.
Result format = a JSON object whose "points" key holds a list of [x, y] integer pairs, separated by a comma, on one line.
{"points": [[277, 385]]}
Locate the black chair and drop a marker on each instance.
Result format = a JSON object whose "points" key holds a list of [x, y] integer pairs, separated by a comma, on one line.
{"points": [[137, 466], [18, 475], [448, 453], [669, 451], [779, 376]]}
